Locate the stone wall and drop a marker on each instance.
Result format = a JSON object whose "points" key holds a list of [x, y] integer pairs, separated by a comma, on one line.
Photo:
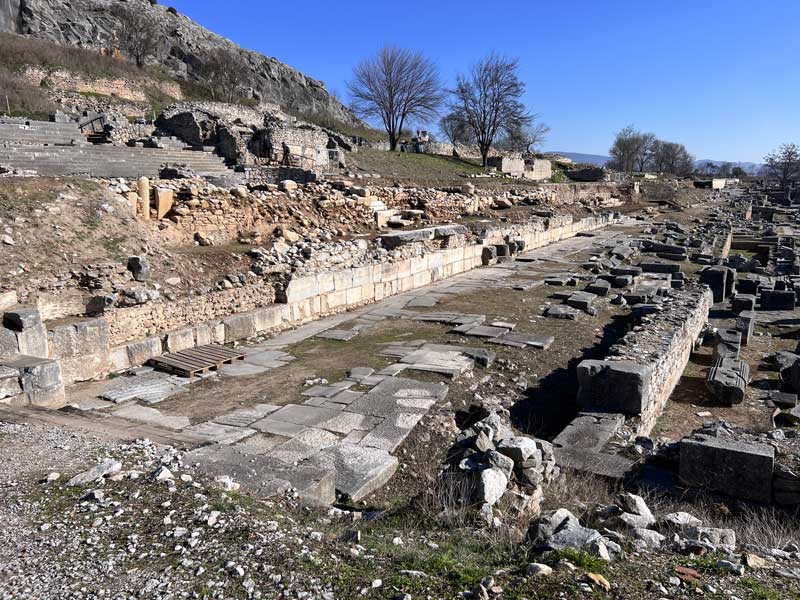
{"points": [[126, 89], [642, 370], [154, 318], [292, 145], [321, 294], [538, 169]]}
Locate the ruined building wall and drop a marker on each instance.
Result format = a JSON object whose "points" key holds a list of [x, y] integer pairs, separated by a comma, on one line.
{"points": [[643, 369]]}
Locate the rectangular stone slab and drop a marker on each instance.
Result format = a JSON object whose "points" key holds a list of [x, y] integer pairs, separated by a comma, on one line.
{"points": [[265, 476], [359, 470], [735, 468], [303, 415]]}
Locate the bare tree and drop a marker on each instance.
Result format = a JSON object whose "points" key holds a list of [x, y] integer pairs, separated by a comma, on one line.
{"points": [[223, 73], [783, 164], [672, 158], [526, 139], [138, 36], [645, 144], [455, 129], [489, 97], [396, 86], [624, 150]]}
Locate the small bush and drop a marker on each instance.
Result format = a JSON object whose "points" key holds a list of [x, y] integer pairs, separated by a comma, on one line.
{"points": [[172, 10]]}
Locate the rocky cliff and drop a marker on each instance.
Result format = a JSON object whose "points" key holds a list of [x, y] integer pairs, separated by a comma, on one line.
{"points": [[185, 46]]}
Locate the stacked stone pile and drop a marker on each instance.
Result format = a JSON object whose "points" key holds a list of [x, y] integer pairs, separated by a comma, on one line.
{"points": [[629, 522], [498, 469]]}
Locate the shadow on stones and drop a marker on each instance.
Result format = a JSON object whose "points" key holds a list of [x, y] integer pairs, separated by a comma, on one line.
{"points": [[550, 405]]}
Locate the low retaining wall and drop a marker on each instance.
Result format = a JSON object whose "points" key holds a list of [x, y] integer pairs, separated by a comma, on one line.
{"points": [[325, 293], [643, 369]]}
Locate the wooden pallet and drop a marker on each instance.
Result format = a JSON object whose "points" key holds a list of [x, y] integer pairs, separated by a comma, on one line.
{"points": [[196, 361]]}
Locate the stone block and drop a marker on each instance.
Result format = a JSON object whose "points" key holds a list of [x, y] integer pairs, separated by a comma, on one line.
{"points": [[728, 380], [239, 327], [40, 379], [203, 334], [732, 467], [181, 339], [140, 351], [10, 384], [717, 279], [743, 302], [777, 299], [359, 470], [8, 300], [22, 319], [165, 198], [8, 343], [32, 340], [613, 386]]}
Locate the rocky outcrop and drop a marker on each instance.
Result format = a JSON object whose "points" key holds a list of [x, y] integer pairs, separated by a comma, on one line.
{"points": [[185, 47]]}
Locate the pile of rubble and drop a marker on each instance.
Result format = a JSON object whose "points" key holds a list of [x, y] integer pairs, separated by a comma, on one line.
{"points": [[489, 465]]}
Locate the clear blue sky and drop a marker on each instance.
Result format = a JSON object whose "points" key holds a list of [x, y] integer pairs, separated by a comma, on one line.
{"points": [[722, 77]]}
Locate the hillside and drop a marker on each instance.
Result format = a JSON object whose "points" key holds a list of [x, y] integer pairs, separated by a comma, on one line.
{"points": [[185, 48]]}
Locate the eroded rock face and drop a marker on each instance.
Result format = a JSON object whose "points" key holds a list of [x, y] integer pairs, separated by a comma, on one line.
{"points": [[187, 46]]}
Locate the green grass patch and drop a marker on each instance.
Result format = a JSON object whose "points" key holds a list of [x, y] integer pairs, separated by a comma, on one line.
{"points": [[579, 558]]}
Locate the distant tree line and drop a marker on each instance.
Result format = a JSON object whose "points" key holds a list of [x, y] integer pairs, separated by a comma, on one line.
{"points": [[783, 164], [634, 151], [399, 86]]}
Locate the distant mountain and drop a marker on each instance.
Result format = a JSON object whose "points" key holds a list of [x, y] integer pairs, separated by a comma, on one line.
{"points": [[592, 159], [749, 167]]}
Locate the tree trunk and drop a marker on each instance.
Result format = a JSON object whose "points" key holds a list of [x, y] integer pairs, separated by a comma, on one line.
{"points": [[484, 155], [392, 142]]}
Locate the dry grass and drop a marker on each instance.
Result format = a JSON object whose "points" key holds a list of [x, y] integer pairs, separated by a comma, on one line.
{"points": [[17, 51], [18, 98], [765, 526]]}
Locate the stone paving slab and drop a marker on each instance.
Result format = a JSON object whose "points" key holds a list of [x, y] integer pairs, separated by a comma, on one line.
{"points": [[342, 335], [359, 470], [486, 331], [346, 397], [262, 359], [267, 425], [259, 443], [423, 301], [300, 414], [246, 416], [304, 445], [151, 388], [398, 393], [346, 421], [219, 434], [266, 476], [151, 416], [451, 364], [542, 342], [321, 391], [241, 368]]}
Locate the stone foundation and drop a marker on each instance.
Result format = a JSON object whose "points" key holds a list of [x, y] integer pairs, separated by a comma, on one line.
{"points": [[643, 369]]}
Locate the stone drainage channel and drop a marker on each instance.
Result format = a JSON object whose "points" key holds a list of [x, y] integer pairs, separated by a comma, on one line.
{"points": [[342, 439]]}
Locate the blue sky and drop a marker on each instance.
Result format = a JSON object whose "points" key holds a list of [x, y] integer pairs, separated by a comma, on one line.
{"points": [[721, 77]]}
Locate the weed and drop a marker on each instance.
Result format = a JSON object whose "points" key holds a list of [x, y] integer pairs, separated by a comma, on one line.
{"points": [[579, 558], [758, 590]]}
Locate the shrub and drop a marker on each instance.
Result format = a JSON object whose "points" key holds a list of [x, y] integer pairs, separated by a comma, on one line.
{"points": [[173, 11]]}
